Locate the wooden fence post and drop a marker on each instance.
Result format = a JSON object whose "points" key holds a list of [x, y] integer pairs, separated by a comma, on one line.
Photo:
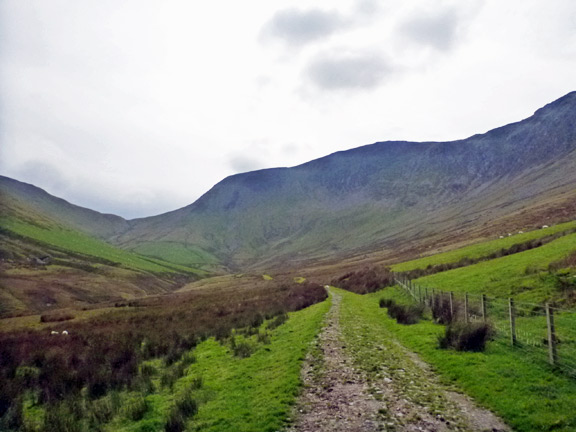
{"points": [[483, 307], [451, 305], [512, 311], [552, 353], [466, 319]]}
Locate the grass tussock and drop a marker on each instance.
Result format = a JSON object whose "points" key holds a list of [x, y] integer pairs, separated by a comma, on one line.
{"points": [[463, 336], [403, 314]]}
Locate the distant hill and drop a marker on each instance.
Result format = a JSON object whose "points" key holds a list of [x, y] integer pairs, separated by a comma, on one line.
{"points": [[28, 202], [53, 255], [377, 196]]}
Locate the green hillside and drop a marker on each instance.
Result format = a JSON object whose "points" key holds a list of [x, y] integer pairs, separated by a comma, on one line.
{"points": [[524, 275], [483, 249], [79, 243]]}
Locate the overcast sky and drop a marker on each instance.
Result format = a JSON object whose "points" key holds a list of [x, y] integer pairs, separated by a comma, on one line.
{"points": [[138, 107]]}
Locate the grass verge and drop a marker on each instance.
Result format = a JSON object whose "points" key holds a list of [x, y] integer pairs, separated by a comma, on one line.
{"points": [[528, 395]]}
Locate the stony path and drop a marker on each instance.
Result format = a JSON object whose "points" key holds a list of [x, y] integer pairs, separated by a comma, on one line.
{"points": [[338, 396]]}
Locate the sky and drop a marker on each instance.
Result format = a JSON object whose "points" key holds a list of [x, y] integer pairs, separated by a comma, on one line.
{"points": [[138, 107]]}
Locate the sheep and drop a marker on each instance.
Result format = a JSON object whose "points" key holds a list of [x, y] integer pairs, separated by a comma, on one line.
{"points": [[520, 232], [65, 332], [501, 237], [545, 226], [53, 332]]}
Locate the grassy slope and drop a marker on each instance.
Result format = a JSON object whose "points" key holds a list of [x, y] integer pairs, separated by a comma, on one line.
{"points": [[242, 394], [177, 253], [514, 275], [481, 249], [77, 242], [527, 395]]}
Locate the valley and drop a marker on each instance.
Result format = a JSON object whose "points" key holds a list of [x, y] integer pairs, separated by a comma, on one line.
{"points": [[307, 298]]}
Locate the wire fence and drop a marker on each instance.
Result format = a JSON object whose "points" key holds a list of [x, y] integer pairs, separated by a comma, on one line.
{"points": [[543, 331]]}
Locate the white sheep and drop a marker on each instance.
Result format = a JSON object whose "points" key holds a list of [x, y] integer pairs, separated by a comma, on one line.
{"points": [[544, 226], [65, 332], [53, 332]]}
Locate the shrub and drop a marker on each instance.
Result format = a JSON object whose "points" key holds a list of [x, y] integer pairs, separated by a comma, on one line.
{"points": [[385, 303], [136, 408], [277, 321], [196, 383], [409, 314], [175, 422], [187, 405], [243, 349], [403, 314], [263, 337], [466, 336], [367, 280]]}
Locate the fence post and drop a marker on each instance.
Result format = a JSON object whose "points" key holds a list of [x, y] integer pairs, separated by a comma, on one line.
{"points": [[466, 319], [452, 305], [512, 311], [483, 307], [552, 353]]}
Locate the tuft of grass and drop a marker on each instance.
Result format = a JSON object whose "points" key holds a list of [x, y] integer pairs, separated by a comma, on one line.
{"points": [[403, 314], [466, 336]]}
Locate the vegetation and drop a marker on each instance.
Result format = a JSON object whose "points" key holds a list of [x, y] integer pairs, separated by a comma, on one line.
{"points": [[403, 314], [367, 280], [524, 275], [466, 336], [527, 393], [178, 253], [484, 249], [97, 250], [69, 382]]}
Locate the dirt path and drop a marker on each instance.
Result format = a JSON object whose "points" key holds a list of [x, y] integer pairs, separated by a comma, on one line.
{"points": [[340, 397]]}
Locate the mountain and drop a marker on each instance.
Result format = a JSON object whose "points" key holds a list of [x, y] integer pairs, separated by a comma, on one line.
{"points": [[53, 255], [381, 196], [28, 202]]}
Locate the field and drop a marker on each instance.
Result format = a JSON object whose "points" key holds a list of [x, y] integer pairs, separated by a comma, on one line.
{"points": [[166, 359], [524, 275], [525, 391], [482, 249]]}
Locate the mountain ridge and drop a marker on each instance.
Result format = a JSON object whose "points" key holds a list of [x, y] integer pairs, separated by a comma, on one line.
{"points": [[247, 216], [375, 196]]}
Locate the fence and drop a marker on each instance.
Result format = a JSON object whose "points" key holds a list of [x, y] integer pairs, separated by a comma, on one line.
{"points": [[543, 330]]}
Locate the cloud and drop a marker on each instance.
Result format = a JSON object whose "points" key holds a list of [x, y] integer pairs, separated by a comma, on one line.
{"points": [[437, 30], [297, 27], [348, 71], [241, 163]]}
